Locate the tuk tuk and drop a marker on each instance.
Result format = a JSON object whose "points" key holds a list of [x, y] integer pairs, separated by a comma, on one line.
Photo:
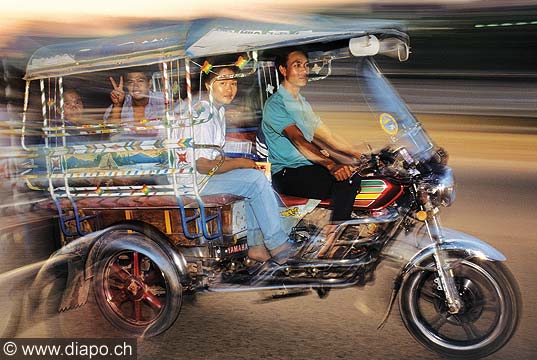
{"points": [[131, 188]]}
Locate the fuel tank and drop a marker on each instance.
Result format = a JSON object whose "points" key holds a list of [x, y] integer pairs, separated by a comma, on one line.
{"points": [[377, 193]]}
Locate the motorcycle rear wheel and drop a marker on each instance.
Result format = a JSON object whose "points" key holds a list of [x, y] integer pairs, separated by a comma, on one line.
{"points": [[136, 286], [488, 319]]}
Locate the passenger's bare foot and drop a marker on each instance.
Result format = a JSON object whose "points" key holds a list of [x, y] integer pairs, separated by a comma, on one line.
{"points": [[258, 253], [284, 252], [283, 247]]}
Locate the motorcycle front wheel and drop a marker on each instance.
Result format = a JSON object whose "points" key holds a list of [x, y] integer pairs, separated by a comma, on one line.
{"points": [[487, 320]]}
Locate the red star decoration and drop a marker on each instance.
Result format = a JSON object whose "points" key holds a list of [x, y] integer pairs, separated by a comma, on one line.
{"points": [[56, 164], [181, 158]]}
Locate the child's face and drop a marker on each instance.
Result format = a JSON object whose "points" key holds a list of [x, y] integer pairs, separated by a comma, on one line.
{"points": [[72, 106]]}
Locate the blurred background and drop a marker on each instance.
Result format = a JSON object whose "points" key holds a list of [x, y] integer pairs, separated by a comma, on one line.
{"points": [[471, 79]]}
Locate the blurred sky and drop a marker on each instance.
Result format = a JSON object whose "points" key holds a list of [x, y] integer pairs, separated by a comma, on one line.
{"points": [[104, 17], [95, 18], [28, 25], [70, 10]]}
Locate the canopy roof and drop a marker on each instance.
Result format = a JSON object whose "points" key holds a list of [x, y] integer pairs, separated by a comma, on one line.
{"points": [[198, 38]]}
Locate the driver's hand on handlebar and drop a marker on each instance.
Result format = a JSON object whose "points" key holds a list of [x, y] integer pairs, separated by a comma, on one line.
{"points": [[364, 159], [342, 172]]}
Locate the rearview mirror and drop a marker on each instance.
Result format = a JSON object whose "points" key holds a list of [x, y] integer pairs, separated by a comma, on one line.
{"points": [[364, 46], [394, 48]]}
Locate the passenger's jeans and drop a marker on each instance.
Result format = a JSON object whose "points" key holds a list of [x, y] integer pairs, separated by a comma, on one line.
{"points": [[262, 211]]}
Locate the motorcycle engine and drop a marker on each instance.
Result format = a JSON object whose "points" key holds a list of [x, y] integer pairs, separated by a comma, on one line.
{"points": [[352, 242]]}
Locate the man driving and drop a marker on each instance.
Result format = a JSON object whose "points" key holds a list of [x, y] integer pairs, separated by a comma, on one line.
{"points": [[298, 141]]}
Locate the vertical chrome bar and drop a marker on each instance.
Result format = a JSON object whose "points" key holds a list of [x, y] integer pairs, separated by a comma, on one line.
{"points": [[62, 112], [166, 91], [64, 137], [24, 114], [167, 104], [259, 83], [44, 108], [48, 161], [448, 284]]}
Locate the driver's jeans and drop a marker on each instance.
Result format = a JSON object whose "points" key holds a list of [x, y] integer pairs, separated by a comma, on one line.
{"points": [[262, 211], [316, 182]]}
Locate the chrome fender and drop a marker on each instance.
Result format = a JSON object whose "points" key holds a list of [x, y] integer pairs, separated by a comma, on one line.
{"points": [[177, 259], [456, 242]]}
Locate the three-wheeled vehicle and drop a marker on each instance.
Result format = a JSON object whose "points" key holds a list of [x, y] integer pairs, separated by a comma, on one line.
{"points": [[131, 194]]}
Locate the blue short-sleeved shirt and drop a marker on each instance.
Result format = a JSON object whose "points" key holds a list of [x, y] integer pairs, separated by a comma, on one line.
{"points": [[282, 110]]}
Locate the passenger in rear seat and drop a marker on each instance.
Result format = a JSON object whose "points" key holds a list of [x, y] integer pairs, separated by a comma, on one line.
{"points": [[297, 141], [140, 104], [73, 111], [238, 176]]}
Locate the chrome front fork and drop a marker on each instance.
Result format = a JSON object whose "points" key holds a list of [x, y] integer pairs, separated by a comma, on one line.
{"points": [[446, 281]]}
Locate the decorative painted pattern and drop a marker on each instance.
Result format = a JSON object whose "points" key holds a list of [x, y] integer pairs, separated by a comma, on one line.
{"points": [[118, 146], [370, 191], [187, 169]]}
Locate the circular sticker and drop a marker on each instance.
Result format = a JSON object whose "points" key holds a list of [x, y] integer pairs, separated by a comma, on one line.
{"points": [[388, 124]]}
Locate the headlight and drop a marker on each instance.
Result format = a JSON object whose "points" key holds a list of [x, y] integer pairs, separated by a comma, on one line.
{"points": [[440, 187], [446, 191]]}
